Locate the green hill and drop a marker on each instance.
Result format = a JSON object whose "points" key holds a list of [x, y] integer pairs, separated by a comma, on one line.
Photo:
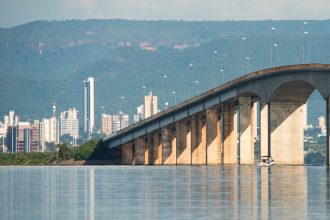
{"points": [[46, 61]]}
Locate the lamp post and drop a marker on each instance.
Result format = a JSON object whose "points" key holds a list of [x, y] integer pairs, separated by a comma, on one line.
{"points": [[121, 102], [197, 83], [249, 63], [306, 34], [121, 112], [143, 93], [164, 77], [190, 70], [276, 47], [223, 76], [271, 46], [213, 67], [174, 95], [241, 65]]}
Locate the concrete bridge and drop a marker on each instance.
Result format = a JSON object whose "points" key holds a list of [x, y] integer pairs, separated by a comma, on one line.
{"points": [[218, 126]]}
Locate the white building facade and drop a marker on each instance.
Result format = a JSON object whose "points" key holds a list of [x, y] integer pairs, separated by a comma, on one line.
{"points": [[89, 105]]}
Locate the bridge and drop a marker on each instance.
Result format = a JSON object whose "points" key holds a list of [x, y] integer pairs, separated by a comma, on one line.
{"points": [[218, 126]]}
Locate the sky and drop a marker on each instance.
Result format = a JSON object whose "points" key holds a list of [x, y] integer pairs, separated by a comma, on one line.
{"points": [[15, 12]]}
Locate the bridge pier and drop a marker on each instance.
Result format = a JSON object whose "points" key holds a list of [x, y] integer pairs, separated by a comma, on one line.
{"points": [[264, 129], [147, 143], [169, 146], [155, 151], [127, 154], [246, 130], [230, 134], [213, 137], [183, 142], [287, 132], [198, 140], [139, 151]]}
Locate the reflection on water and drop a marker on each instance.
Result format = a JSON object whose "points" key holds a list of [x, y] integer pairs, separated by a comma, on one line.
{"points": [[182, 192]]}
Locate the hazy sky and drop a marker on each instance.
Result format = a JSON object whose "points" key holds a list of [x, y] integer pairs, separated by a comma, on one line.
{"points": [[14, 12]]}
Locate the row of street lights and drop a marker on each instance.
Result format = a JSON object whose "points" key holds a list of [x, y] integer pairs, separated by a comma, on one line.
{"points": [[273, 46]]}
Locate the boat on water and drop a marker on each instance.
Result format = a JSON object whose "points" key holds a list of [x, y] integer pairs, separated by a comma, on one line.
{"points": [[266, 161]]}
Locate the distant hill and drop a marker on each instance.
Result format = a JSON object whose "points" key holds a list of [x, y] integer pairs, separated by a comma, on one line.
{"points": [[45, 61]]}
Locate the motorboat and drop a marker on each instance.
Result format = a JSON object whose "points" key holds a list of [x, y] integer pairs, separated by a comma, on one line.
{"points": [[266, 161]]}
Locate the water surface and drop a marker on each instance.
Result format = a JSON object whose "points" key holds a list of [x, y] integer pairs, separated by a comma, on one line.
{"points": [[165, 192]]}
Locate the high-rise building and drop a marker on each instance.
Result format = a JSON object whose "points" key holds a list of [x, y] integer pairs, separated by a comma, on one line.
{"points": [[69, 123], [89, 105], [23, 137], [12, 139], [139, 114], [11, 119], [119, 121], [106, 124], [48, 132], [150, 105], [50, 129], [3, 135]]}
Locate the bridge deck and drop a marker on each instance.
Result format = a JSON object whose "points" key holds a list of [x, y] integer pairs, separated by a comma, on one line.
{"points": [[201, 102]]}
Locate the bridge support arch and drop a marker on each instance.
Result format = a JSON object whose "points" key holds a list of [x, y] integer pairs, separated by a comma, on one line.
{"points": [[287, 132]]}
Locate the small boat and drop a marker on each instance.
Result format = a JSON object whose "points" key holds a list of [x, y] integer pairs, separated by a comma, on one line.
{"points": [[266, 161]]}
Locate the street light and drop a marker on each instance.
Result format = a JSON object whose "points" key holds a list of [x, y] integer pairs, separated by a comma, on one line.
{"points": [[164, 77], [143, 93], [276, 47], [223, 76], [271, 46], [213, 68], [190, 67], [174, 95], [121, 102], [197, 82], [241, 64], [306, 34], [249, 63]]}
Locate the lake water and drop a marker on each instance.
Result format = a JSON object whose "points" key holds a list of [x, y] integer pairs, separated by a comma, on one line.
{"points": [[165, 192]]}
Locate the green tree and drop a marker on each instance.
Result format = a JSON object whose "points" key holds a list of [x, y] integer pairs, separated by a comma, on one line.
{"points": [[64, 153], [84, 151]]}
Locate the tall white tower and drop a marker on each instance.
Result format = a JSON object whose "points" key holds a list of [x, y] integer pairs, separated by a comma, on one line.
{"points": [[150, 105], [89, 105]]}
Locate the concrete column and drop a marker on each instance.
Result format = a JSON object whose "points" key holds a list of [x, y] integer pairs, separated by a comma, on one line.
{"points": [[147, 142], [156, 150], [287, 132], [328, 130], [246, 124], [127, 154], [174, 147], [169, 155], [160, 150], [213, 137], [230, 134], [264, 127], [183, 143], [198, 140], [139, 151]]}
